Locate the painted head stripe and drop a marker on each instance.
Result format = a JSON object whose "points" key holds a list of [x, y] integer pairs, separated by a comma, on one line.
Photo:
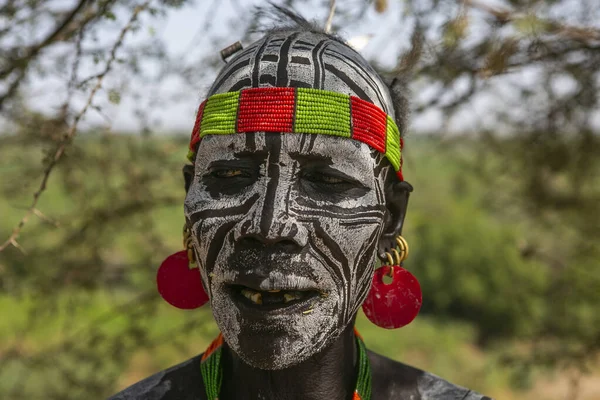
{"points": [[320, 111], [298, 110], [267, 110], [369, 124]]}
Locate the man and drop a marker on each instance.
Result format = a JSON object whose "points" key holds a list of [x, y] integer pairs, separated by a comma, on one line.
{"points": [[296, 190]]}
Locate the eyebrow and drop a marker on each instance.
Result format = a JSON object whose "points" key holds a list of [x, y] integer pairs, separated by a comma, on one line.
{"points": [[312, 157], [256, 154], [324, 161]]}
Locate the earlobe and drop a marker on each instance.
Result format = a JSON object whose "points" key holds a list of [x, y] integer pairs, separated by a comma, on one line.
{"points": [[397, 194], [188, 175]]}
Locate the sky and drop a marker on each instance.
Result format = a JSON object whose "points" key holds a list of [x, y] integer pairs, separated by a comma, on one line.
{"points": [[182, 30], [172, 103], [179, 32]]}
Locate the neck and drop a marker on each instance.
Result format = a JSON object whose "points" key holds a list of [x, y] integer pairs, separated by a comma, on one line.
{"points": [[330, 374]]}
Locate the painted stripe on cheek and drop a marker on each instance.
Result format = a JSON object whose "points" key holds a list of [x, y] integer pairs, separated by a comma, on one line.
{"points": [[207, 213]]}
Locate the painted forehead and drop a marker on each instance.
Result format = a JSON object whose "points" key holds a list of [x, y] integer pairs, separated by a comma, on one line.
{"points": [[304, 59]]}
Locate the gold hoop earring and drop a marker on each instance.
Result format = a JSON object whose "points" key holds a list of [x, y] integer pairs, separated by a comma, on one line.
{"points": [[389, 257], [398, 257], [403, 247], [188, 245]]}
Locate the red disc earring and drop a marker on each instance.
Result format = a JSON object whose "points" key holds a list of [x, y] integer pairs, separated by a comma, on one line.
{"points": [[396, 304], [178, 279]]}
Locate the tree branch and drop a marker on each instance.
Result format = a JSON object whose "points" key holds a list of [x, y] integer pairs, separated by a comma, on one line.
{"points": [[22, 62], [584, 35], [70, 134]]}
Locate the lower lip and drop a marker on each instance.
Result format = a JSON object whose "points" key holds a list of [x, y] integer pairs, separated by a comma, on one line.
{"points": [[303, 306]]}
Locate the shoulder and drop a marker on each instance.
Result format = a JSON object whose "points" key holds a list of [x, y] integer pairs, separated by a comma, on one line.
{"points": [[394, 380], [180, 382]]}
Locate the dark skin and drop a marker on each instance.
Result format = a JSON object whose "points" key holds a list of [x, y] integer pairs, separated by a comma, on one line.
{"points": [[330, 374]]}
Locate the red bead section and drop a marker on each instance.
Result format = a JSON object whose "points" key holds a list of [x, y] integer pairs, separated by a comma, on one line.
{"points": [[396, 304], [368, 123], [266, 110], [179, 285], [196, 130]]}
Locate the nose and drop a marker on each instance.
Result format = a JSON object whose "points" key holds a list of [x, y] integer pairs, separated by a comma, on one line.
{"points": [[270, 223], [269, 220]]}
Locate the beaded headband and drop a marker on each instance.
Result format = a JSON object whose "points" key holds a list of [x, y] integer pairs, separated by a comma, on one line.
{"points": [[298, 110]]}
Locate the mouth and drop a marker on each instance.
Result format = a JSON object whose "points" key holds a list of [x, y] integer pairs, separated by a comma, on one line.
{"points": [[278, 300]]}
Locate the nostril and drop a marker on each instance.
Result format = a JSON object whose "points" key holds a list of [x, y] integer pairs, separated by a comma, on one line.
{"points": [[252, 241], [284, 244]]}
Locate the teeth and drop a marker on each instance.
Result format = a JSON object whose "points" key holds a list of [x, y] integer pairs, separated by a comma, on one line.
{"points": [[253, 296], [247, 293], [256, 298], [288, 297]]}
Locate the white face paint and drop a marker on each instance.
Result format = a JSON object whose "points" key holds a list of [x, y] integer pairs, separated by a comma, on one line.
{"points": [[297, 213]]}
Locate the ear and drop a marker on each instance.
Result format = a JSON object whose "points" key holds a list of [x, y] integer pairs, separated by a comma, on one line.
{"points": [[188, 175], [396, 195]]}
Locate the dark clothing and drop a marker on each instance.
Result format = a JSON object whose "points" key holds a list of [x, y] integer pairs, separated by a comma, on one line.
{"points": [[391, 380]]}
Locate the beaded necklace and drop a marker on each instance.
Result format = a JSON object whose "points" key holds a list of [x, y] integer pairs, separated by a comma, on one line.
{"points": [[212, 372]]}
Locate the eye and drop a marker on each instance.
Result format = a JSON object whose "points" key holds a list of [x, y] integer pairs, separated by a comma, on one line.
{"points": [[329, 184], [227, 173], [229, 180], [318, 177]]}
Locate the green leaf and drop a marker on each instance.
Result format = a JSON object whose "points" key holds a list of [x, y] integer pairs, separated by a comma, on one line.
{"points": [[530, 24], [114, 96]]}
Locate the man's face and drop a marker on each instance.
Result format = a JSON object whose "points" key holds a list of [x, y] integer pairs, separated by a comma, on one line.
{"points": [[285, 228]]}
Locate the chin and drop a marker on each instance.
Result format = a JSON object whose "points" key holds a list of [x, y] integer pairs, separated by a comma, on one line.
{"points": [[275, 337]]}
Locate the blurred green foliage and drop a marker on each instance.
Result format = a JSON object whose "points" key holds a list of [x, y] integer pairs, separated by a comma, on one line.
{"points": [[466, 255], [504, 223]]}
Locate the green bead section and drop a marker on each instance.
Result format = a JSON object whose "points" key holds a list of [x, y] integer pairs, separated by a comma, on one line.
{"points": [[191, 155], [363, 380], [212, 374], [318, 111], [220, 114], [392, 145]]}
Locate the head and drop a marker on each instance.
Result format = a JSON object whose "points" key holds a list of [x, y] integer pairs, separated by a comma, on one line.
{"points": [[287, 227]]}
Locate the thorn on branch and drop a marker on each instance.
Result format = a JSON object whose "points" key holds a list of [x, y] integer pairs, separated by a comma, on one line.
{"points": [[16, 244], [44, 218]]}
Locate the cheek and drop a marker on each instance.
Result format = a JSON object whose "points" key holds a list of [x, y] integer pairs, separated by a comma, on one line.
{"points": [[354, 252], [212, 219], [345, 238]]}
